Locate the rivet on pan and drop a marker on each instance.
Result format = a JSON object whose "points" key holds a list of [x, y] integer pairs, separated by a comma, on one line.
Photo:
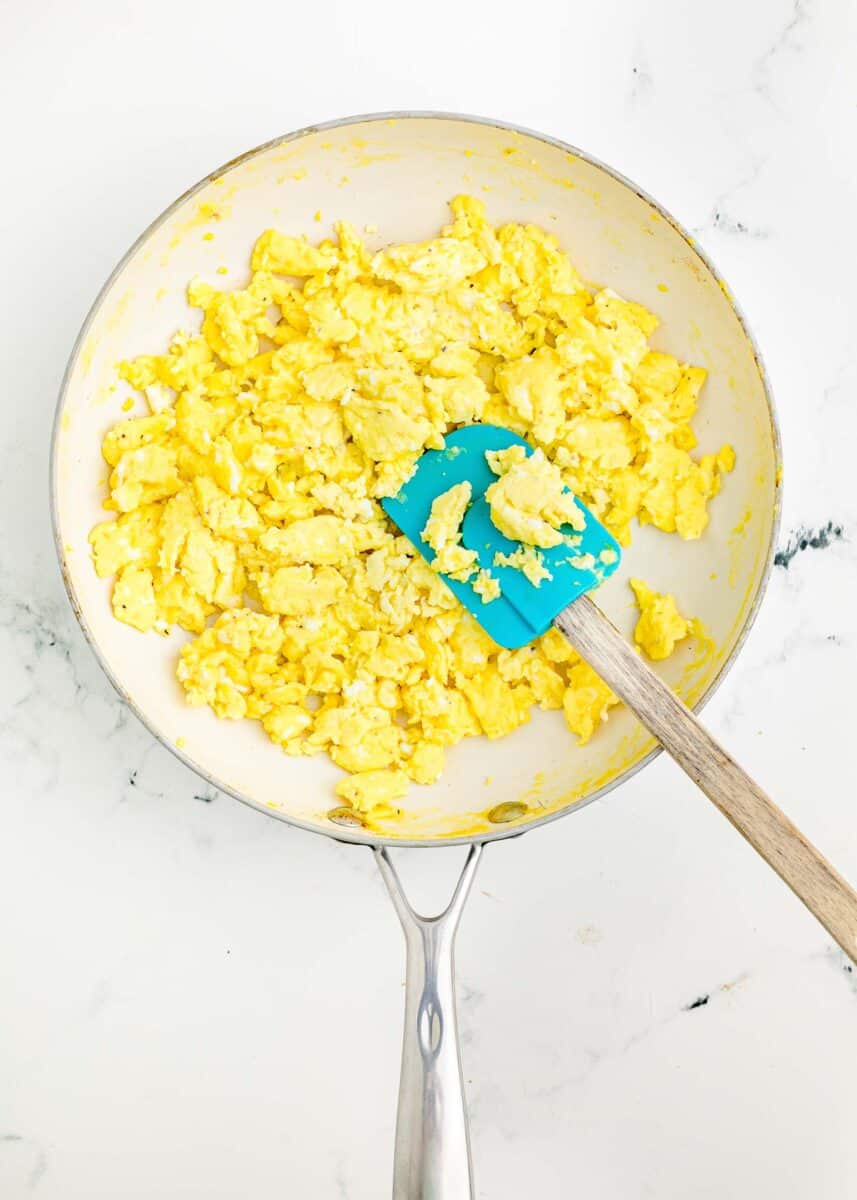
{"points": [[345, 816], [507, 812]]}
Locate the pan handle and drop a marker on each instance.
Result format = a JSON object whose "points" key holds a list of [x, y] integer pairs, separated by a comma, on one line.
{"points": [[432, 1158]]}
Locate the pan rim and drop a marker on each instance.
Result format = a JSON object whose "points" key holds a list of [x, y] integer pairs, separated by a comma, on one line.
{"points": [[358, 836]]}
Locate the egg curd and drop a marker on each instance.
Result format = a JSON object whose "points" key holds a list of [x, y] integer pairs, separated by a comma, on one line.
{"points": [[661, 626], [529, 502], [246, 501], [443, 534]]}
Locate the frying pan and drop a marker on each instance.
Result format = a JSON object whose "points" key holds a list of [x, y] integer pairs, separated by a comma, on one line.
{"points": [[393, 175]]}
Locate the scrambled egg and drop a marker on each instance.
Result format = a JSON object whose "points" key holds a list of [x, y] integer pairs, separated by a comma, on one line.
{"points": [[245, 505], [443, 533], [486, 586], [529, 501], [661, 625], [528, 561]]}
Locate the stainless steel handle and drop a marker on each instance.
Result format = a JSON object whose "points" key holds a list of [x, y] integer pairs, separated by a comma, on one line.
{"points": [[432, 1157]]}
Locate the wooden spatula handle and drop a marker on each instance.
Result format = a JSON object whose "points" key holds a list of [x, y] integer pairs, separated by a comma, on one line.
{"points": [[754, 814]]}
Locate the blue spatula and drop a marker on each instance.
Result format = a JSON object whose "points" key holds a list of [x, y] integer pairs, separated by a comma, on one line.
{"points": [[524, 611]]}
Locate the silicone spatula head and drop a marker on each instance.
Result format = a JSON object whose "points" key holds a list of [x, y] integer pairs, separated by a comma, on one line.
{"points": [[523, 611]]}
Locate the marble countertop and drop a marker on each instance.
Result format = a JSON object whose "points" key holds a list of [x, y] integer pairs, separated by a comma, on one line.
{"points": [[197, 1002]]}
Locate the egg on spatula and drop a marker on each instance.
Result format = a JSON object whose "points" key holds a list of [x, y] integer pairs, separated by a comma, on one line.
{"points": [[491, 514]]}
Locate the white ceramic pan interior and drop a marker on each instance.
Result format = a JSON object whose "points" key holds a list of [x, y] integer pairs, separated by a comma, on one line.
{"points": [[398, 173]]}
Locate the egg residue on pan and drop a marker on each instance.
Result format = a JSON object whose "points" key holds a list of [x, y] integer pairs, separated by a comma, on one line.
{"points": [[246, 502]]}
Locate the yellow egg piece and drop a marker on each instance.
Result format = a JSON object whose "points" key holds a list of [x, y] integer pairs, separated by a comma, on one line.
{"points": [[661, 625], [529, 502]]}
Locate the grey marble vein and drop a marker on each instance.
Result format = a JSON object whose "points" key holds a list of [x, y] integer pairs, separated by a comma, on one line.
{"points": [[803, 539], [787, 40]]}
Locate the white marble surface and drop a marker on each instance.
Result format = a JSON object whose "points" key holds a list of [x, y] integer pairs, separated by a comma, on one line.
{"points": [[197, 1002]]}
